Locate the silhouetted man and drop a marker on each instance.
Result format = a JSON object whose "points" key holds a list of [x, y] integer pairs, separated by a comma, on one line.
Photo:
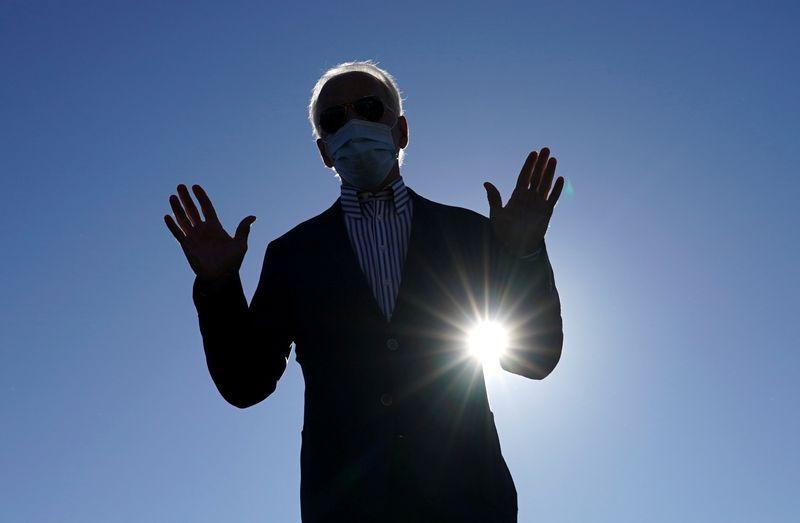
{"points": [[376, 293]]}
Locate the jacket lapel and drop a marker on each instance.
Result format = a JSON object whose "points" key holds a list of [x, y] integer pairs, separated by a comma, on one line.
{"points": [[353, 278], [422, 246]]}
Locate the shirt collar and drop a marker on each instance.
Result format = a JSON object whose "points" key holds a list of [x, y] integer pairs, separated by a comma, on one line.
{"points": [[353, 207]]}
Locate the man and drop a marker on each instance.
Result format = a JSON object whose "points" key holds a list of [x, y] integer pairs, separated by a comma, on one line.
{"points": [[376, 293]]}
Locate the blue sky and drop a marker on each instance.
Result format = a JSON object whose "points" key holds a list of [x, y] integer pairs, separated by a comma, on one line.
{"points": [[674, 250]]}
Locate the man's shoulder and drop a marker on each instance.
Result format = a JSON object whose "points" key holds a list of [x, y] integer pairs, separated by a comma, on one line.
{"points": [[455, 214]]}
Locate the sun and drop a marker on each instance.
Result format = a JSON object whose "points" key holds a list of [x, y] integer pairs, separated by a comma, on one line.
{"points": [[487, 341]]}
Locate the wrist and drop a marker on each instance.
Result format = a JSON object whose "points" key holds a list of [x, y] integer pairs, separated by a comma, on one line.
{"points": [[215, 283]]}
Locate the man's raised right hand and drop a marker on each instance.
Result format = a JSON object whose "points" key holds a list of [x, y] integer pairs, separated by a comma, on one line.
{"points": [[211, 251]]}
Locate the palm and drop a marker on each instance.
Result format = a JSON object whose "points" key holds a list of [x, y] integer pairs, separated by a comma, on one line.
{"points": [[210, 250], [522, 223]]}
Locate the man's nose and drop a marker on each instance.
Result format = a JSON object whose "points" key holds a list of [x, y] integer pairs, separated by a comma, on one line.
{"points": [[350, 113]]}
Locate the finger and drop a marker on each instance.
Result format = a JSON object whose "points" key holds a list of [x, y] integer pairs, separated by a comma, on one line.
{"points": [[538, 169], [524, 177], [205, 204], [493, 195], [188, 204], [174, 229], [556, 192], [547, 177], [243, 230], [180, 215]]}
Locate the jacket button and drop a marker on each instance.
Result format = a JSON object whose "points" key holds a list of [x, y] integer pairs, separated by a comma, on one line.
{"points": [[392, 344], [386, 399]]}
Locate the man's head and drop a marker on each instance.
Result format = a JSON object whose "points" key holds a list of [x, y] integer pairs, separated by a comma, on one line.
{"points": [[347, 83]]}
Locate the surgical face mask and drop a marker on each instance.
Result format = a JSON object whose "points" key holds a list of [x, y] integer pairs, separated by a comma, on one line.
{"points": [[363, 152]]}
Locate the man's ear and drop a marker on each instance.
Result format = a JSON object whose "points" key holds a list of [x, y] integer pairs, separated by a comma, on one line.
{"points": [[402, 127], [325, 158]]}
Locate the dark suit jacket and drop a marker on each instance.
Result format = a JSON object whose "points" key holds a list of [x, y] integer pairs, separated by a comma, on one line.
{"points": [[397, 422]]}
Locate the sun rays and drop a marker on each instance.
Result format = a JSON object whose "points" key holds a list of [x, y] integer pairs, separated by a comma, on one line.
{"points": [[487, 342]]}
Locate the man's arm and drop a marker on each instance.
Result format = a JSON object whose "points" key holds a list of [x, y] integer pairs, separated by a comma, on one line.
{"points": [[523, 284], [526, 297], [246, 347]]}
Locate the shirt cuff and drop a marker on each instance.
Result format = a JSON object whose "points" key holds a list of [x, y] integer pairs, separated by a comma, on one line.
{"points": [[219, 285]]}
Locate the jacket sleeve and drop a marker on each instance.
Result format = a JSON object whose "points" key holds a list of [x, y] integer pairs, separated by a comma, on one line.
{"points": [[246, 347], [526, 301]]}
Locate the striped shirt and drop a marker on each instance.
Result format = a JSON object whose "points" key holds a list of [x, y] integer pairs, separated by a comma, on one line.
{"points": [[379, 226]]}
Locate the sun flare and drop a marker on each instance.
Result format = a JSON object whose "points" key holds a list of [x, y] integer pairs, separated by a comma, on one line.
{"points": [[487, 341]]}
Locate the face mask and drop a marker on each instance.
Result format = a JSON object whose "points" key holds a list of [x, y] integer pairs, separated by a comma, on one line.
{"points": [[363, 152]]}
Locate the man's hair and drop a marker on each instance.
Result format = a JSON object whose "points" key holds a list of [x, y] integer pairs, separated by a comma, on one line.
{"points": [[364, 66]]}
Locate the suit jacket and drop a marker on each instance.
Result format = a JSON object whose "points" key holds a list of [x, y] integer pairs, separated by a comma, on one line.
{"points": [[397, 424]]}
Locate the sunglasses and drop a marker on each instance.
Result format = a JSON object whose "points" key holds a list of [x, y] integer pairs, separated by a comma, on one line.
{"points": [[370, 108]]}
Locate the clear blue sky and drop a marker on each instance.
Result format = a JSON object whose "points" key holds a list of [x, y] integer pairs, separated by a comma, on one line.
{"points": [[674, 251]]}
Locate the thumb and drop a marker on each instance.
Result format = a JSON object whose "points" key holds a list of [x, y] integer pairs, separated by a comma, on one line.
{"points": [[243, 230], [493, 195]]}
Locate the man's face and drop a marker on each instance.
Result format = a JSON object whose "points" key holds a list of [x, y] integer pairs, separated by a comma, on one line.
{"points": [[349, 87]]}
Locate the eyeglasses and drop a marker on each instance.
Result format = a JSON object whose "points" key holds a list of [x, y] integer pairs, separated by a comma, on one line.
{"points": [[369, 107]]}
